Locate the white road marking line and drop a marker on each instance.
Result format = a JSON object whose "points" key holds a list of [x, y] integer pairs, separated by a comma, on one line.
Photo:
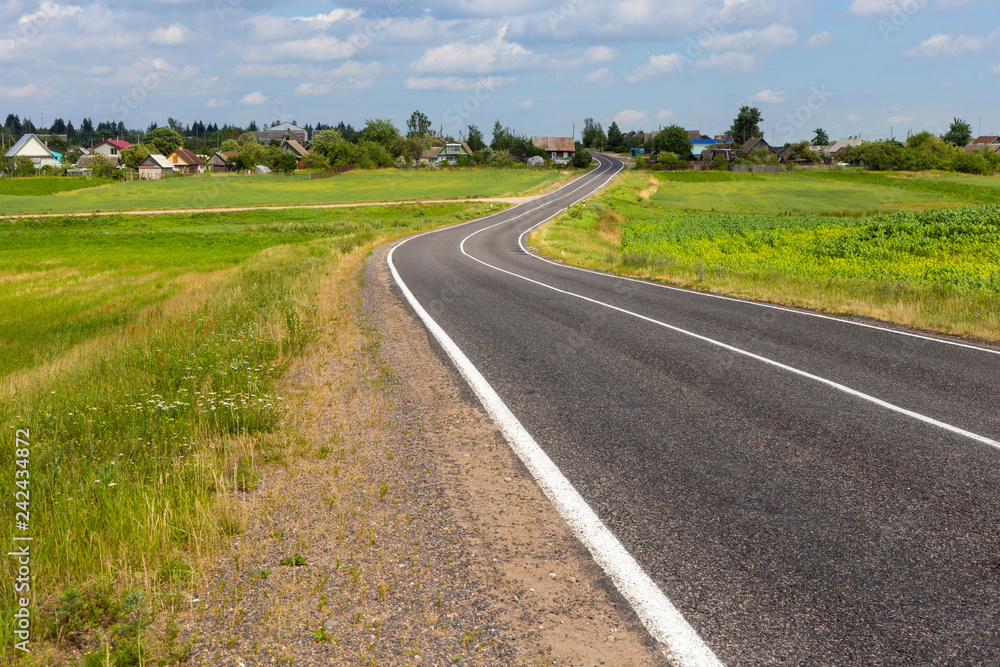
{"points": [[722, 297], [663, 621], [830, 383]]}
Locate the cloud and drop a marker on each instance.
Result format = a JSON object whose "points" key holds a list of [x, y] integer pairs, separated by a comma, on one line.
{"points": [[323, 47], [526, 104], [664, 114], [351, 75], [732, 62], [995, 69], [175, 33], [822, 38], [600, 54], [215, 104], [769, 96], [19, 92], [49, 10], [486, 57], [875, 7], [600, 78], [853, 118], [457, 83], [668, 63], [772, 37], [901, 119], [254, 99], [630, 117], [946, 45]]}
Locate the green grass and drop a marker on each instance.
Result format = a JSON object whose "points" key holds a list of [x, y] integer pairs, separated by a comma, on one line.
{"points": [[42, 186], [231, 190], [834, 241], [142, 354]]}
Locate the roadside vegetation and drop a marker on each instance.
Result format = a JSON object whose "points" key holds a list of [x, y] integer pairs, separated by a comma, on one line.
{"points": [[233, 190], [919, 250], [143, 355]]}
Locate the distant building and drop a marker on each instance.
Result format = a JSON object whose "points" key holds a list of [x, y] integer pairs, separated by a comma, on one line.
{"points": [[989, 143], [155, 167], [559, 149], [295, 148], [110, 147], [186, 162], [220, 162], [282, 131], [30, 146], [449, 153]]}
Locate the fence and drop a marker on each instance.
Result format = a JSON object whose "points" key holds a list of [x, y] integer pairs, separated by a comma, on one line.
{"points": [[333, 172]]}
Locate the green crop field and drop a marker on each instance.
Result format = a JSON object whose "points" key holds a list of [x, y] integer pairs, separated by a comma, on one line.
{"points": [[920, 250], [41, 186], [140, 355], [232, 190]]}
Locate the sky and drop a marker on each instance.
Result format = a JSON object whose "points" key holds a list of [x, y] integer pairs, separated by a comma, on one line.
{"points": [[861, 67]]}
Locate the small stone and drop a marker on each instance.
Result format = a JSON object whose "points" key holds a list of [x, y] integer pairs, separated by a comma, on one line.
{"points": [[553, 575], [330, 624]]}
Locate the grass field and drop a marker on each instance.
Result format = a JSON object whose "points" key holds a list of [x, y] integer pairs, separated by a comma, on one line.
{"points": [[141, 355], [922, 251], [232, 190], [42, 186]]}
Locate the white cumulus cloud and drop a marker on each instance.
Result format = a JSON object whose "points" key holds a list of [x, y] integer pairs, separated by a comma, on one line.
{"points": [[254, 99], [485, 57], [175, 33], [667, 63], [773, 37], [769, 96], [946, 45], [630, 117], [822, 38]]}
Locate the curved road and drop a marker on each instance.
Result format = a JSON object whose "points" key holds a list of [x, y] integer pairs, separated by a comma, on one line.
{"points": [[802, 489]]}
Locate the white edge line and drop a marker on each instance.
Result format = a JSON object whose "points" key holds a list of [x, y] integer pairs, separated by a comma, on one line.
{"points": [[663, 621], [749, 302]]}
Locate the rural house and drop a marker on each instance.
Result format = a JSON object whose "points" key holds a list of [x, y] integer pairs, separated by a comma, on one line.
{"points": [[558, 149], [294, 147], [186, 162], [30, 146], [281, 131], [449, 153], [753, 143], [990, 143], [155, 167], [220, 162], [109, 147]]}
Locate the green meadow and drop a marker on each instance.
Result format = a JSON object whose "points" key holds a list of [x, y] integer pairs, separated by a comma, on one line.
{"points": [[142, 356], [916, 249], [236, 190]]}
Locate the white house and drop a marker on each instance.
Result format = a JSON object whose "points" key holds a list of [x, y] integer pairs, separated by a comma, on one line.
{"points": [[32, 147], [110, 147], [155, 167]]}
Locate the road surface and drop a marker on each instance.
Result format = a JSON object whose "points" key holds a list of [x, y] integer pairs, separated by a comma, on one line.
{"points": [[800, 489]]}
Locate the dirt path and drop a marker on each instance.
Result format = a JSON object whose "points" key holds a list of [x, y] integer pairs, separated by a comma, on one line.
{"points": [[233, 209], [421, 539]]}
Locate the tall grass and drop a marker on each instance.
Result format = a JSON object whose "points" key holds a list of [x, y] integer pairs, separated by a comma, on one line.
{"points": [[133, 441]]}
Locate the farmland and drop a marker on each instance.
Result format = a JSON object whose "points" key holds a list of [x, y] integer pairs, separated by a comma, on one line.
{"points": [[922, 251], [142, 354], [235, 190]]}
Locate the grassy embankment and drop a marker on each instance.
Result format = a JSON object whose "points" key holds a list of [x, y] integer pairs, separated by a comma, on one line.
{"points": [[919, 250], [232, 190], [142, 354]]}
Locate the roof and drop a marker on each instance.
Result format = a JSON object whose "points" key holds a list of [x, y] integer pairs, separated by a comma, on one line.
{"points": [[30, 146], [157, 160], [558, 144], [86, 161], [120, 144], [188, 156], [986, 139], [844, 143], [693, 134], [752, 143], [296, 147], [431, 153]]}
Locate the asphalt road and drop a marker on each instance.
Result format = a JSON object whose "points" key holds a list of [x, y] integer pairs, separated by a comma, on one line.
{"points": [[805, 490]]}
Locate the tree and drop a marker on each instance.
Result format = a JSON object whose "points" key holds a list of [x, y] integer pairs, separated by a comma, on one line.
{"points": [[475, 140], [324, 140], [229, 145], [959, 133], [381, 131], [673, 139], [499, 134], [615, 137], [252, 127], [746, 125], [59, 126], [316, 161], [175, 125], [374, 155], [418, 127], [821, 138], [581, 158], [101, 167], [163, 139], [23, 166], [593, 134], [133, 155], [14, 123], [87, 130]]}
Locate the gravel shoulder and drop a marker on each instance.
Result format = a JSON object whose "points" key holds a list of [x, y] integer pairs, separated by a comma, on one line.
{"points": [[419, 538]]}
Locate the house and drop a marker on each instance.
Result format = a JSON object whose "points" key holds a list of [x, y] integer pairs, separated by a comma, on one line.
{"points": [[186, 162], [220, 162], [110, 147], [754, 143], [294, 147], [558, 149], [281, 131], [155, 167], [449, 153], [699, 145], [841, 144], [30, 146], [990, 143]]}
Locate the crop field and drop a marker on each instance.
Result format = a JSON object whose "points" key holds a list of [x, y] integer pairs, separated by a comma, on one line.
{"points": [[922, 251], [233, 190], [141, 355], [42, 186]]}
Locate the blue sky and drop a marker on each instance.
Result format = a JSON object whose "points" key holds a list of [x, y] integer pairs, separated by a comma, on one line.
{"points": [[857, 67]]}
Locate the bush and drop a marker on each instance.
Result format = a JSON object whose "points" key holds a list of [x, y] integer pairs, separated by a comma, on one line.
{"points": [[23, 166], [102, 167], [670, 159]]}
